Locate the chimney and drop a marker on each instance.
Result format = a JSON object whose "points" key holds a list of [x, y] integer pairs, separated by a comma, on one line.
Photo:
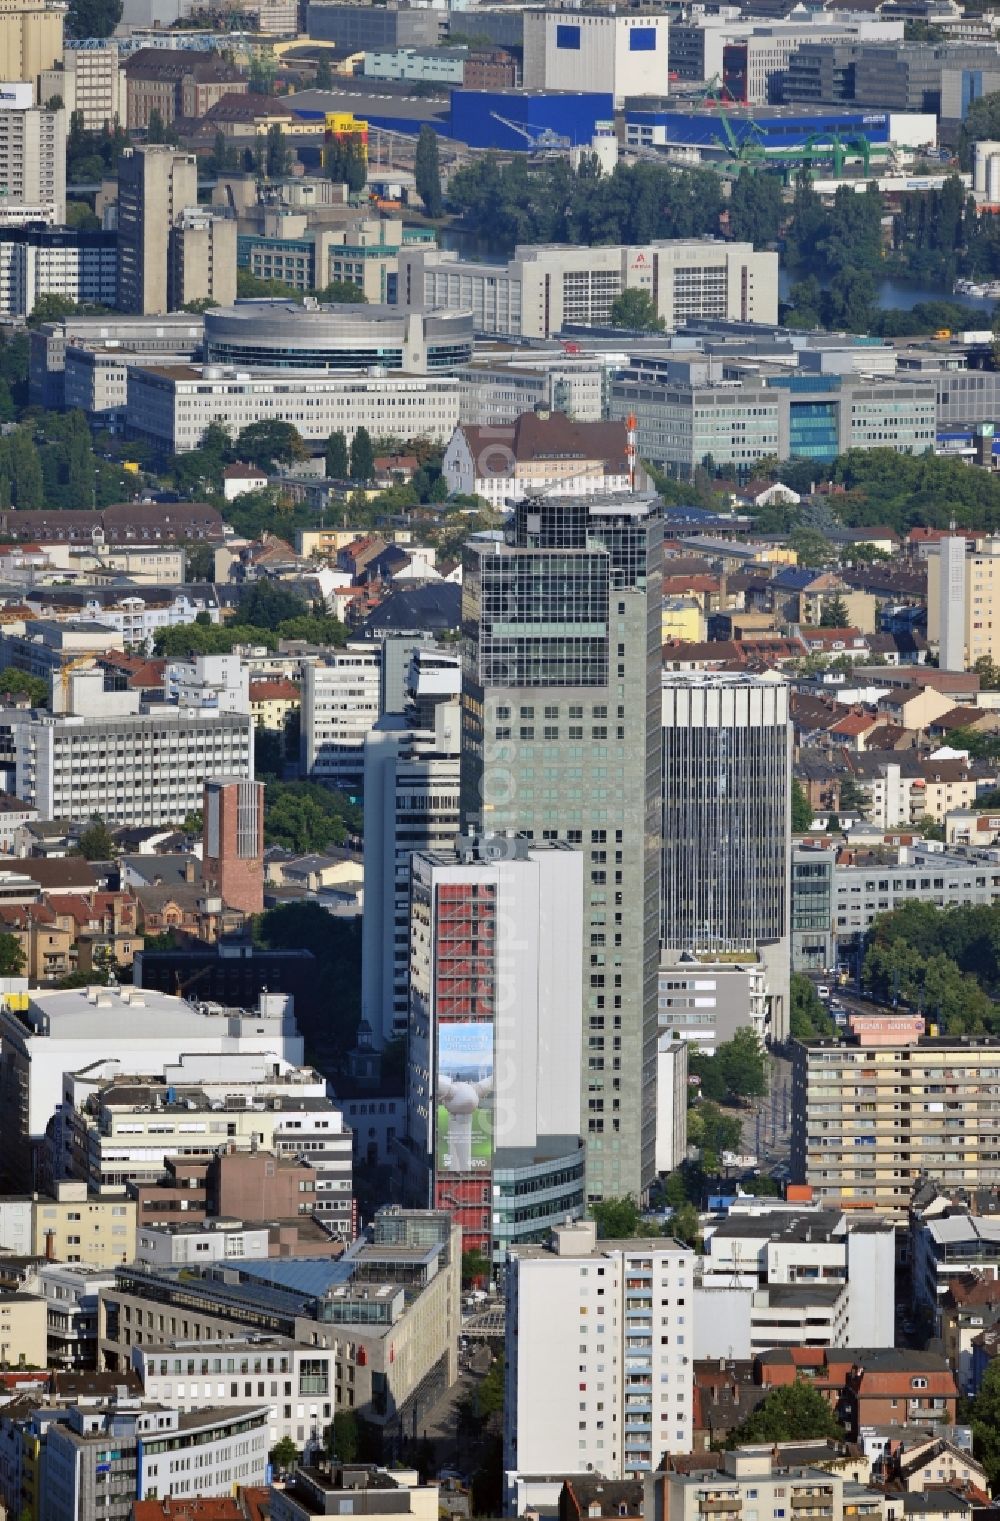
{"points": [[189, 869]]}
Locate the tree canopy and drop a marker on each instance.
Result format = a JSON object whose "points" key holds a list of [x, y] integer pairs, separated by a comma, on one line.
{"points": [[737, 1070], [635, 309], [808, 1019], [802, 812], [791, 1413]]}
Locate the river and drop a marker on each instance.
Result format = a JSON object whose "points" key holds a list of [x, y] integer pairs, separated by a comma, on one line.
{"points": [[900, 294]]}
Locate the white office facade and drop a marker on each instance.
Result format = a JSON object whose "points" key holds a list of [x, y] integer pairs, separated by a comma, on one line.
{"points": [[139, 769], [340, 706], [544, 287], [599, 1356], [172, 406]]}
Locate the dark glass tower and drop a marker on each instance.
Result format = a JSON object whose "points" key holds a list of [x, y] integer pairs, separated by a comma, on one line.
{"points": [[562, 740]]}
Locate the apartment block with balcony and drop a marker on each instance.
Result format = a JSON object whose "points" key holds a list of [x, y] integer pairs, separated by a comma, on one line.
{"points": [[873, 1114], [589, 1384], [757, 1481]]}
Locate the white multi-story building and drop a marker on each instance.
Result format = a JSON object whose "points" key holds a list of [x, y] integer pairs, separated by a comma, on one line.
{"points": [[411, 781], [71, 1291], [171, 406], [340, 706], [103, 752], [600, 1341], [781, 1279], [209, 683], [293, 1378], [210, 1241], [597, 50], [136, 1030], [543, 287], [117, 1133], [58, 261], [90, 84], [94, 1458], [671, 1101], [32, 166]]}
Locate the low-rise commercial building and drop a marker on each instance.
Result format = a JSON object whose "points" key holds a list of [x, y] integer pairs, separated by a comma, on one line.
{"points": [[374, 1493], [297, 1381], [680, 424], [23, 1342], [71, 1291], [389, 1309], [95, 1463], [283, 335], [172, 406], [47, 1034]]}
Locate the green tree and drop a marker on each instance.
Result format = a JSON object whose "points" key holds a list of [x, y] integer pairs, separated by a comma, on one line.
{"points": [[323, 79], [50, 307], [685, 1225], [834, 614], [744, 1064], [93, 18], [634, 309], [489, 1395], [811, 547], [712, 1132], [278, 153], [269, 603], [985, 1418], [427, 170], [268, 444], [982, 121], [802, 812], [475, 1269], [96, 843], [808, 1019], [853, 799], [343, 291], [284, 1454], [362, 463], [756, 207], [19, 683], [343, 1438], [617, 1219], [305, 816], [792, 1413], [337, 457], [12, 960]]}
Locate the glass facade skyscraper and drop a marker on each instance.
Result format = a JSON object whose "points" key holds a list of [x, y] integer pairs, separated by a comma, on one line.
{"points": [[562, 740], [726, 822]]}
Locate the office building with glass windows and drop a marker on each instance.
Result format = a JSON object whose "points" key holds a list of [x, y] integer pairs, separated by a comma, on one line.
{"points": [[724, 882], [562, 741], [745, 417]]}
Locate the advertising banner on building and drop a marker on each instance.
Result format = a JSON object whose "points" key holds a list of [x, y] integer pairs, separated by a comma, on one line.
{"points": [[464, 1092]]}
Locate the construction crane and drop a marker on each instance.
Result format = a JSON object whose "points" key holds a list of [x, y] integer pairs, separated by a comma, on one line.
{"points": [[538, 137], [748, 149]]}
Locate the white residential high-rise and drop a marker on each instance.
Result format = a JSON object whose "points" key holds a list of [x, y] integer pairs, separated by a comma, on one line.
{"points": [[599, 1358], [340, 705], [32, 166], [952, 592], [411, 764]]}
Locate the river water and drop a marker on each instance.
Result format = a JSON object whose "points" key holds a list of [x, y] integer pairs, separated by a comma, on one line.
{"points": [[899, 293]]}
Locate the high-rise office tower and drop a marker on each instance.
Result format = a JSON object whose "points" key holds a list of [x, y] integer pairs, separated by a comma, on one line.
{"points": [[411, 765], [561, 740], [493, 1094], [726, 823]]}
